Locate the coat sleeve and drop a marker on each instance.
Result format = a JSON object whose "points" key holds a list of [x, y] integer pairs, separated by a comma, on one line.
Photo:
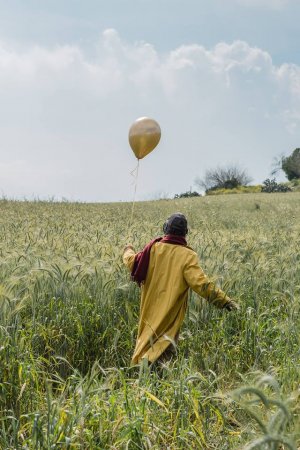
{"points": [[128, 258], [198, 282]]}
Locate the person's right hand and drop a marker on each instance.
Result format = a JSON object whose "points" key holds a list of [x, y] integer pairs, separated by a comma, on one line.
{"points": [[232, 306]]}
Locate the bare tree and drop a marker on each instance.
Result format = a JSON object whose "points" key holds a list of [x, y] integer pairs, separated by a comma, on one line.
{"points": [[228, 177], [277, 164]]}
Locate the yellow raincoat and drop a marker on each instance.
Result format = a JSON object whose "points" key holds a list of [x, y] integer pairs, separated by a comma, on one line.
{"points": [[173, 269]]}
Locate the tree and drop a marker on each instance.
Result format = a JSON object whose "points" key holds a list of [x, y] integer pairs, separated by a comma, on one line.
{"points": [[290, 165], [229, 177]]}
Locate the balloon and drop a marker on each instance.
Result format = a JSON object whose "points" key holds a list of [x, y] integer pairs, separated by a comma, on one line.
{"points": [[144, 135]]}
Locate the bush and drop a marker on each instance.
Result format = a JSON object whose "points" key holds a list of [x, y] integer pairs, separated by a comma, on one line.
{"points": [[272, 186], [187, 194], [239, 190], [295, 185]]}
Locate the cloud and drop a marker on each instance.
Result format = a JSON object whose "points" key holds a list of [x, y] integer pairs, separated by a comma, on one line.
{"points": [[64, 115]]}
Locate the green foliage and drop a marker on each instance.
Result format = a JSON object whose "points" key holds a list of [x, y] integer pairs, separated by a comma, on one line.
{"points": [[68, 321], [294, 185], [187, 194], [272, 186], [291, 165]]}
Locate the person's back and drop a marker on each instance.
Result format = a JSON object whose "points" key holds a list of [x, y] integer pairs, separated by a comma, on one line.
{"points": [[171, 269]]}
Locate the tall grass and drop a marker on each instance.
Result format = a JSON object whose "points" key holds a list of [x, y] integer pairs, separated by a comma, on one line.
{"points": [[68, 321]]}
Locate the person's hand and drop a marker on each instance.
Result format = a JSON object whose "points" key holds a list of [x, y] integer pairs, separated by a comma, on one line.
{"points": [[128, 247], [232, 306]]}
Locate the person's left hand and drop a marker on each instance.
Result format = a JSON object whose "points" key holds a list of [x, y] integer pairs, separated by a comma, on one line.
{"points": [[128, 247], [232, 306]]}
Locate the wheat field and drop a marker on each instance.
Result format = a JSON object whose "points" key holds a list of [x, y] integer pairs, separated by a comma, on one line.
{"points": [[69, 315]]}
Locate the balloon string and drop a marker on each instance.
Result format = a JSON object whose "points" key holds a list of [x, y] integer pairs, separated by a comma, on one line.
{"points": [[135, 174]]}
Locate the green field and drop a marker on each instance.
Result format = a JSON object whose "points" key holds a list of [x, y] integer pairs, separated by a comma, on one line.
{"points": [[69, 314]]}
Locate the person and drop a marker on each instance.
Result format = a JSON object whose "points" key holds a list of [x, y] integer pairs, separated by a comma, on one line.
{"points": [[165, 270]]}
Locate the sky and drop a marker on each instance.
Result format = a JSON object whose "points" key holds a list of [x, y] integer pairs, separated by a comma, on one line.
{"points": [[221, 77]]}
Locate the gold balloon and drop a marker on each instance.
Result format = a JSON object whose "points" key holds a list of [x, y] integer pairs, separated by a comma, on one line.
{"points": [[144, 135]]}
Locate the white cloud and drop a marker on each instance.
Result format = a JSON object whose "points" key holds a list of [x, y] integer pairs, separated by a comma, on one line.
{"points": [[64, 116]]}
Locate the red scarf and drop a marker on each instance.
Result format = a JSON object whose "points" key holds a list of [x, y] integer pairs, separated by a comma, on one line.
{"points": [[141, 261]]}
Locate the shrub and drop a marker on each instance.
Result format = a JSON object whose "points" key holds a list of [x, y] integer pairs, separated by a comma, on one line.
{"points": [[187, 194], [273, 186], [239, 190]]}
